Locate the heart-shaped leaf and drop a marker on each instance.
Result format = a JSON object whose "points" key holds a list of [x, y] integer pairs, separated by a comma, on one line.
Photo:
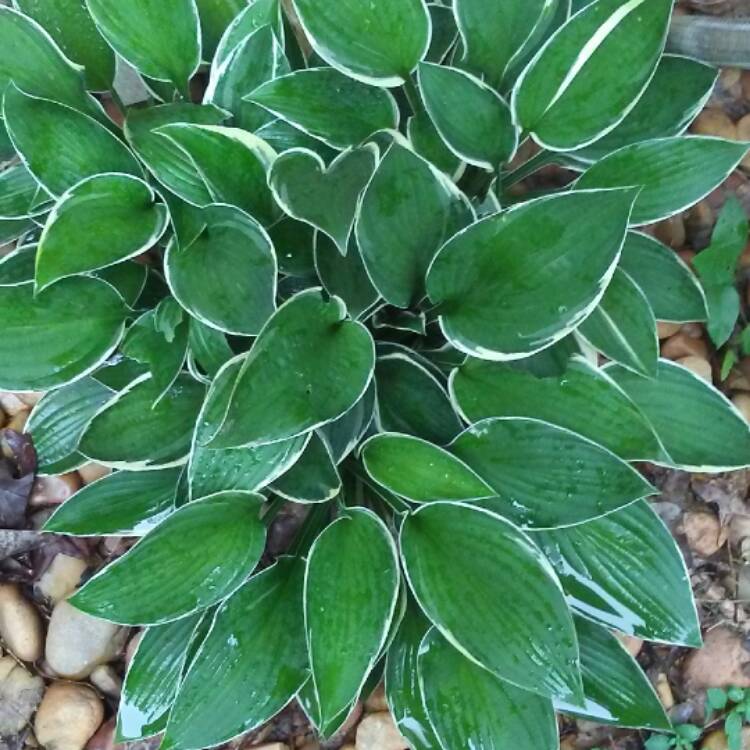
{"points": [[165, 160], [379, 42], [412, 400], [626, 572], [516, 282], [313, 478], [484, 710], [328, 105], [59, 335], [654, 167], [248, 469], [282, 391], [153, 678], [324, 198], [68, 22], [58, 421], [419, 471], [162, 578], [351, 590], [221, 698], [128, 503], [61, 146], [591, 73], [675, 95], [233, 165], [120, 206], [232, 258], [679, 405], [464, 564], [160, 38], [623, 327], [408, 210], [670, 287], [488, 138], [133, 432], [511, 454], [581, 399], [19, 192], [619, 693]]}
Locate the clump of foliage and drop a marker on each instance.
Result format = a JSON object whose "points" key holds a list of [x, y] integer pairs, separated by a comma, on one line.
{"points": [[345, 305]]}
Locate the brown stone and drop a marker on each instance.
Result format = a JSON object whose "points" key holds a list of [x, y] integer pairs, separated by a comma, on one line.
{"points": [[716, 122], [722, 662]]}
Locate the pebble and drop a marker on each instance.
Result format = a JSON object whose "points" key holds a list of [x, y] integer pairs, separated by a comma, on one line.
{"points": [[77, 643], [54, 490], [20, 624], [106, 679], [698, 365], [104, 737], [681, 345], [632, 644], [11, 403], [704, 532], [722, 662], [743, 134], [714, 122], [271, 746], [664, 691], [665, 330], [68, 716], [742, 402], [378, 732], [20, 694], [91, 472], [61, 577], [18, 422], [717, 740], [671, 231], [377, 701]]}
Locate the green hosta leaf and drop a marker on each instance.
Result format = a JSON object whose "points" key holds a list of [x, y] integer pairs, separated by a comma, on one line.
{"points": [[469, 706], [233, 259], [512, 455], [717, 267], [426, 141], [61, 146], [119, 372], [17, 267], [233, 165], [128, 503], [494, 36], [346, 276], [419, 471], [351, 590], [162, 578], [13, 229], [402, 687], [408, 210], [488, 138], [208, 346], [250, 665], [464, 564], [248, 469], [592, 72], [19, 192], [344, 434], [680, 405], [675, 95], [444, 32], [518, 281], [30, 58], [379, 42], [59, 335], [656, 167], [215, 17], [255, 60], [282, 391], [669, 285], [133, 432], [68, 22], [328, 105], [162, 352], [153, 678], [58, 421], [165, 160], [623, 327], [615, 687], [313, 478], [160, 38], [128, 278], [412, 400], [256, 14], [118, 206], [283, 136], [626, 572], [325, 198], [581, 399]]}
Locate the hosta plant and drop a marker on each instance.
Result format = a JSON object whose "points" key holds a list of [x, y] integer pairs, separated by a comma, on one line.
{"points": [[295, 278]]}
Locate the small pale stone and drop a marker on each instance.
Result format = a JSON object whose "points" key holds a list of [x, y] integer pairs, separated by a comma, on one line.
{"points": [[18, 421], [632, 644], [665, 330], [61, 577], [671, 231], [54, 490], [68, 716], [681, 345], [743, 134], [699, 366], [30, 398], [20, 624], [742, 402], [91, 472], [376, 701], [664, 691], [378, 732], [106, 679], [20, 693], [714, 122], [271, 746], [77, 643], [704, 532], [717, 740], [11, 403]]}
